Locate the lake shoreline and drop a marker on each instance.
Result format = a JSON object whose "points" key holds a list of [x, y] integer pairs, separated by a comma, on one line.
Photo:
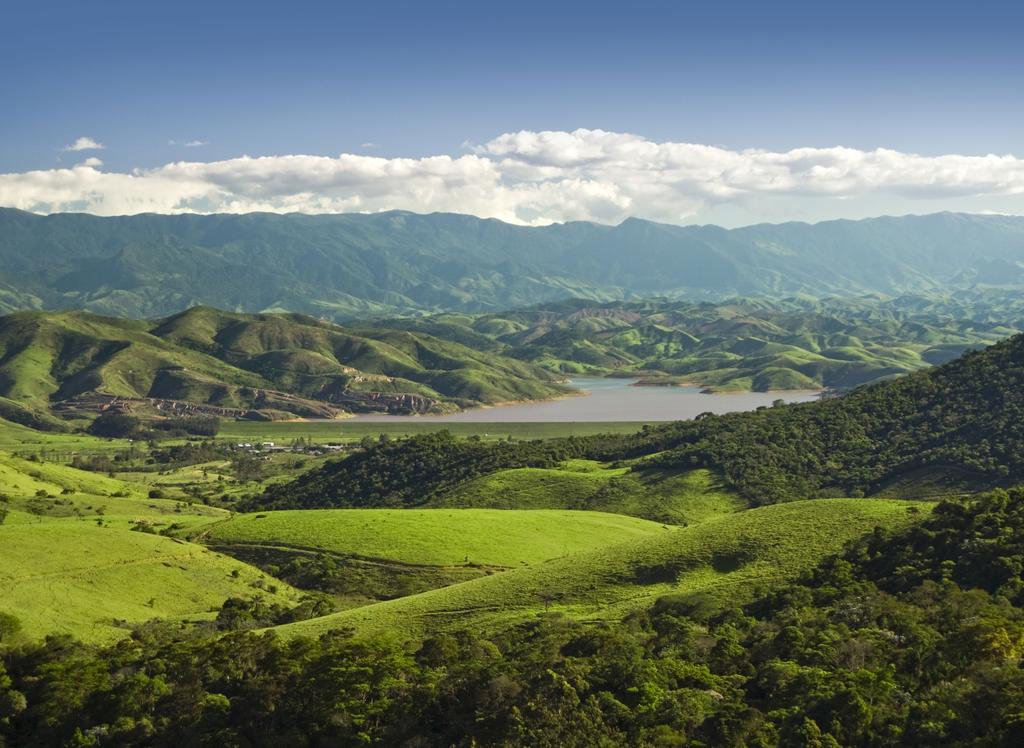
{"points": [[604, 399]]}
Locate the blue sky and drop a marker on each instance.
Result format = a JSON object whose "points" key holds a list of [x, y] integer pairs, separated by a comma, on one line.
{"points": [[424, 79]]}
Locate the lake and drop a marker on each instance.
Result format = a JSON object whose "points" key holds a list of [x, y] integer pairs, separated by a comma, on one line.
{"points": [[612, 400]]}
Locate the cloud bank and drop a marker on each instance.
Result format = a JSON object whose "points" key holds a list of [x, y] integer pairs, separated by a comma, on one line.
{"points": [[522, 177]]}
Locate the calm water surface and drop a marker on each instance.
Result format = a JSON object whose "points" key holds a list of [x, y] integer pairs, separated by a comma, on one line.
{"points": [[613, 400]]}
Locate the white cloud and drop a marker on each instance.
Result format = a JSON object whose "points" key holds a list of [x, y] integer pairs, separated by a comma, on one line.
{"points": [[540, 177], [92, 161], [84, 144], [189, 143]]}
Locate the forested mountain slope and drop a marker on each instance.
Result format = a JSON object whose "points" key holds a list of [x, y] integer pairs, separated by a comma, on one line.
{"points": [[357, 265]]}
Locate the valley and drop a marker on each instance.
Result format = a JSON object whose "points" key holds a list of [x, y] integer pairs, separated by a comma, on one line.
{"points": [[401, 543], [548, 375], [481, 499]]}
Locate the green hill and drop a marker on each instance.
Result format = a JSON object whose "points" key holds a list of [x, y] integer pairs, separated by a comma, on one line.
{"points": [[672, 497], [366, 555], [920, 649], [727, 558], [232, 364], [104, 580], [434, 537], [80, 554], [740, 344]]}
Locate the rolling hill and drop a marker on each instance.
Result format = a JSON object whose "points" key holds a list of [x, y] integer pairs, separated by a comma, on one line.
{"points": [[105, 580], [79, 555], [729, 558], [234, 364], [362, 556], [739, 344], [434, 537], [356, 265]]}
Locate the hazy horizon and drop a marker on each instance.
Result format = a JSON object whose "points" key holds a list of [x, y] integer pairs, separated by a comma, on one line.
{"points": [[732, 115], [983, 214]]}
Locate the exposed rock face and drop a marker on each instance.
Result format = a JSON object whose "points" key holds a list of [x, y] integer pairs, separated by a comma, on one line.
{"points": [[384, 402], [263, 401], [102, 403]]}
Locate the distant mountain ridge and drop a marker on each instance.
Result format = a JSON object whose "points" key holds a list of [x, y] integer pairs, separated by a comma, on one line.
{"points": [[739, 344], [355, 265]]}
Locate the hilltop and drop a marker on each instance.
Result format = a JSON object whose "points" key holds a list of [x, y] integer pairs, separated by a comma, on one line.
{"points": [[356, 265]]}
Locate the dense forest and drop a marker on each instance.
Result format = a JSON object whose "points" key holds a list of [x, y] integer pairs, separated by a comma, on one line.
{"points": [[909, 638], [949, 428]]}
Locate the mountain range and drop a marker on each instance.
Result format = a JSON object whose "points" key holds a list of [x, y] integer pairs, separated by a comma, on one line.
{"points": [[360, 265], [738, 344]]}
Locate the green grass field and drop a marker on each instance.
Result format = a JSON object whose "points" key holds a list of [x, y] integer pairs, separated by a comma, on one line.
{"points": [[70, 563], [435, 537], [70, 576], [354, 429], [20, 476], [14, 436], [44, 492], [727, 558], [679, 498]]}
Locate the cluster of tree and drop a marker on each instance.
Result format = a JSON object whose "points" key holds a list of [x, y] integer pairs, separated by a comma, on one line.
{"points": [[406, 472], [189, 453], [245, 614], [198, 425], [915, 649], [115, 425]]}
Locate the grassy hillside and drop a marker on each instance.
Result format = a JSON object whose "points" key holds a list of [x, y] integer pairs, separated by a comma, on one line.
{"points": [[672, 497], [233, 364], [909, 637], [434, 537], [362, 556], [104, 580], [742, 344], [73, 559], [727, 558]]}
